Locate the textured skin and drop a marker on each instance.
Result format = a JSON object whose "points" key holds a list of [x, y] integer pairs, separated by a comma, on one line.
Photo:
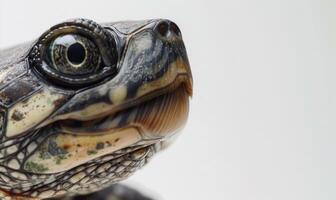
{"points": [[62, 135]]}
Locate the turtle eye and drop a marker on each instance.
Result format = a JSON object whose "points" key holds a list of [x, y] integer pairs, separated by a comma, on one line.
{"points": [[73, 55], [76, 54]]}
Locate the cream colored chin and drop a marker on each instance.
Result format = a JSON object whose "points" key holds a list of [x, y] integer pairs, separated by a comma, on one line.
{"points": [[78, 149]]}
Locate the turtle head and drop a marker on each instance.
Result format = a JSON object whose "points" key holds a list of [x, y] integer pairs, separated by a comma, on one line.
{"points": [[87, 104]]}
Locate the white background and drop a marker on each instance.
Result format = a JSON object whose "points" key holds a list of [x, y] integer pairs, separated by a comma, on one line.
{"points": [[262, 122]]}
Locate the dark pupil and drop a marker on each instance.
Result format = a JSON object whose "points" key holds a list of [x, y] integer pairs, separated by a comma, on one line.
{"points": [[76, 53]]}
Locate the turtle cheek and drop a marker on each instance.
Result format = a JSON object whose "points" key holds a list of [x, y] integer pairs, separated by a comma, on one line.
{"points": [[26, 115]]}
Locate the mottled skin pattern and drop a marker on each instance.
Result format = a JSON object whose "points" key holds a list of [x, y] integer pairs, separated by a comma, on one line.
{"points": [[86, 105]]}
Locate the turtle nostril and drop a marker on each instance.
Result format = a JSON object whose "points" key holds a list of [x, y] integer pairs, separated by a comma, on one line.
{"points": [[162, 28], [175, 29]]}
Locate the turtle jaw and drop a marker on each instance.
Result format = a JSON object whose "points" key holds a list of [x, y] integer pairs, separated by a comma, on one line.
{"points": [[144, 125], [167, 106]]}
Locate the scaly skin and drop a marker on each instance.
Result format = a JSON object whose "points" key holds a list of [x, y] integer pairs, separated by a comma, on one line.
{"points": [[86, 105]]}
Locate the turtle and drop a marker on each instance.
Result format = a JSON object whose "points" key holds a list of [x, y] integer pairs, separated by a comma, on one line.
{"points": [[87, 104]]}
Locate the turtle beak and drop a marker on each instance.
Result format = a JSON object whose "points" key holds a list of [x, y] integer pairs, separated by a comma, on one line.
{"points": [[186, 76], [189, 81]]}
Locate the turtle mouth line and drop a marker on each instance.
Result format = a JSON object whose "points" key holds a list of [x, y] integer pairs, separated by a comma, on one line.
{"points": [[136, 152]]}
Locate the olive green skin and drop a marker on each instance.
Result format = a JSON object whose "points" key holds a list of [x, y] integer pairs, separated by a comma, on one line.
{"points": [[140, 58]]}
